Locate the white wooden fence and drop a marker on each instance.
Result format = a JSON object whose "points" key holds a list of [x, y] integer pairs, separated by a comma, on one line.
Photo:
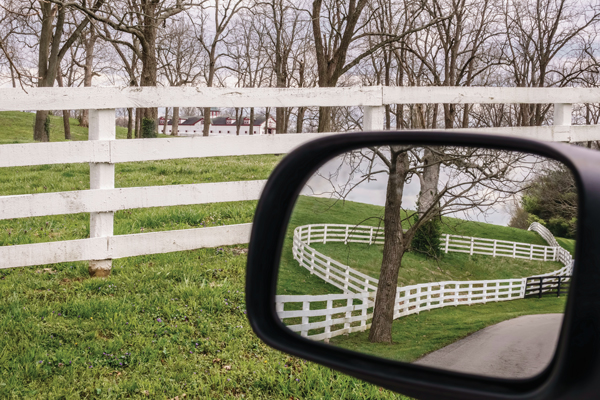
{"points": [[103, 151], [322, 317], [497, 248]]}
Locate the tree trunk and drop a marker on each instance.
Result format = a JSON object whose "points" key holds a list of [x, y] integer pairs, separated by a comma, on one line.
{"points": [[300, 119], [207, 121], [66, 113], [251, 128], [429, 181], [166, 120], [90, 41], [267, 116], [238, 120], [129, 123], [149, 65], [393, 250], [324, 119], [46, 39], [175, 124], [280, 125], [138, 123]]}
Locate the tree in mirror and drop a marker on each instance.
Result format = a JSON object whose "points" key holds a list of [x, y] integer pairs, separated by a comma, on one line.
{"points": [[403, 251]]}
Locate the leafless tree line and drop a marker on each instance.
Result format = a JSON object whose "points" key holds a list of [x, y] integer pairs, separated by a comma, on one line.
{"points": [[308, 43]]}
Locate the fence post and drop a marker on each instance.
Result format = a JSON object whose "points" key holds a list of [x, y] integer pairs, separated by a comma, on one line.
{"points": [[328, 321], [562, 115], [373, 118], [102, 176], [371, 237], [545, 251], [308, 235], [472, 240], [348, 316], [304, 329], [324, 234], [514, 249], [531, 252], [447, 241], [495, 241], [346, 238]]}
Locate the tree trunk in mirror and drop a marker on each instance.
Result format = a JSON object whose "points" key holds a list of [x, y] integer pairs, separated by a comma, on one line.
{"points": [[429, 181], [393, 249]]}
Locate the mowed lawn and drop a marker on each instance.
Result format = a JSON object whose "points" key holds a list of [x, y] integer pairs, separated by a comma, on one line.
{"points": [[160, 326]]}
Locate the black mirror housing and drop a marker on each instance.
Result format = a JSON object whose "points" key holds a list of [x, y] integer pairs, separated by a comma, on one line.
{"points": [[575, 369]]}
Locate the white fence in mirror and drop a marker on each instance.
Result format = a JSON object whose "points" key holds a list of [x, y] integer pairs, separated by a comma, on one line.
{"points": [[351, 311]]}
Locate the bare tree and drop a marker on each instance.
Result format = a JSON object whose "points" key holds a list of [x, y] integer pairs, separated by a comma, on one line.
{"points": [[140, 18], [179, 56], [537, 34], [224, 11], [52, 48], [472, 180]]}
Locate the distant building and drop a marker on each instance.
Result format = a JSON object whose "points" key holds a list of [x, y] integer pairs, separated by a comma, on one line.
{"points": [[220, 126]]}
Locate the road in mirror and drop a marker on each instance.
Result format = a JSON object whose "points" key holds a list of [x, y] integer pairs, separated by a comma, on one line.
{"points": [[453, 257]]}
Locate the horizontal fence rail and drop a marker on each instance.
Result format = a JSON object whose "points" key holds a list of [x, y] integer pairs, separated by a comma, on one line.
{"points": [[498, 248], [322, 317], [119, 246], [112, 97]]}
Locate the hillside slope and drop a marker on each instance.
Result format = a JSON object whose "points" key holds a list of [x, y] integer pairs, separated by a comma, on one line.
{"points": [[415, 268]]}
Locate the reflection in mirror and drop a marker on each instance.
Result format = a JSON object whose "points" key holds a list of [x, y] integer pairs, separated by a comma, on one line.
{"points": [[452, 257]]}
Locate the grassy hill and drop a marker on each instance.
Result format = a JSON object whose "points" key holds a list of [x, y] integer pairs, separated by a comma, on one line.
{"points": [[415, 268]]}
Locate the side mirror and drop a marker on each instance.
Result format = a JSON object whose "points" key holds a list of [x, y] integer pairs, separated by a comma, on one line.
{"points": [[370, 254]]}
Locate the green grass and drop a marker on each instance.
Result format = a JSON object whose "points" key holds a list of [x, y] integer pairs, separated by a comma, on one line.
{"points": [[197, 295], [17, 127], [416, 335], [175, 321]]}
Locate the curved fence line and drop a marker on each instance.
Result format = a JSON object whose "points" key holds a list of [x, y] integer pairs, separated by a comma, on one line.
{"points": [[337, 314]]}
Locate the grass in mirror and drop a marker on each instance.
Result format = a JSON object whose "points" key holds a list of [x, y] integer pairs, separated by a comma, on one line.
{"points": [[159, 326], [413, 335]]}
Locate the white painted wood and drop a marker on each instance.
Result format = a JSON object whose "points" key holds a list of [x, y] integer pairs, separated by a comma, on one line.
{"points": [[102, 176], [52, 252], [562, 114], [103, 200], [373, 119], [119, 151], [488, 95], [18, 155], [122, 245], [169, 241], [553, 133], [107, 97], [211, 146]]}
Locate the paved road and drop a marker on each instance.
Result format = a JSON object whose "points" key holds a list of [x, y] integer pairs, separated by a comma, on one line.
{"points": [[516, 348]]}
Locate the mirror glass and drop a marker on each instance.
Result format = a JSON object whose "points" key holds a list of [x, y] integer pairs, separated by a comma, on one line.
{"points": [[457, 258]]}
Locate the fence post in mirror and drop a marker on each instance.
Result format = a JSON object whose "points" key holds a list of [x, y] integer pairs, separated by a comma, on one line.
{"points": [[419, 254]]}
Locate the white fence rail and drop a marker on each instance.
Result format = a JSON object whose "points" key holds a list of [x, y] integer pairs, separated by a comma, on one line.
{"points": [[322, 317], [103, 151], [498, 248]]}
